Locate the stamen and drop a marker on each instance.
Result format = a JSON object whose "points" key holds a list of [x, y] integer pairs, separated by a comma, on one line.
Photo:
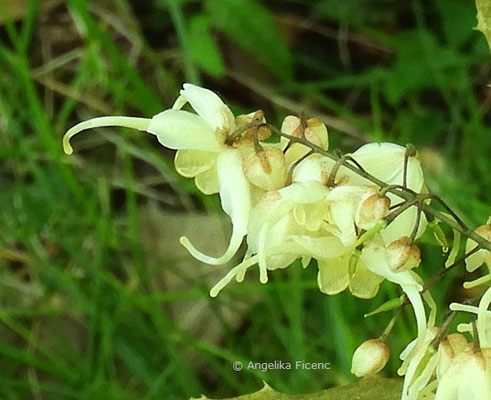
{"points": [[140, 124], [281, 211]]}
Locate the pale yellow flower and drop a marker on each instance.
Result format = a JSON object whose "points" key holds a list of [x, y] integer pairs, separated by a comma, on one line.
{"points": [[203, 153]]}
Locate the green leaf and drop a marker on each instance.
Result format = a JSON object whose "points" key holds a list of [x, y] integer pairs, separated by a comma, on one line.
{"points": [[372, 388], [203, 48], [387, 306], [456, 21], [250, 25]]}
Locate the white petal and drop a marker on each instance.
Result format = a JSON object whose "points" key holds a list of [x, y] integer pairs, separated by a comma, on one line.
{"points": [[333, 275], [344, 201], [207, 181], [404, 224], [310, 169], [182, 130], [271, 220], [364, 283], [235, 197], [301, 193], [209, 107], [320, 247], [190, 163], [385, 161]]}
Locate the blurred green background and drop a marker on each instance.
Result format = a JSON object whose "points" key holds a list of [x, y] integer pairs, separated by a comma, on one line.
{"points": [[98, 300]]}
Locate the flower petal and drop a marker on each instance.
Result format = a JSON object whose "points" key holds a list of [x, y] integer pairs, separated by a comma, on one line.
{"points": [[373, 255], [385, 161], [325, 247], [333, 274], [364, 283], [209, 107], [344, 201], [182, 130], [207, 181], [403, 225], [301, 193], [190, 163], [235, 197]]}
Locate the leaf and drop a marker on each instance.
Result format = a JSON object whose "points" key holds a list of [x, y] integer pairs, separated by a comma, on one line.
{"points": [[484, 19], [203, 48], [387, 306], [456, 21], [249, 24], [372, 388]]}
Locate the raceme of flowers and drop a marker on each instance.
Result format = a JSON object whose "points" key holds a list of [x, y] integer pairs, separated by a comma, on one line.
{"points": [[289, 203]]}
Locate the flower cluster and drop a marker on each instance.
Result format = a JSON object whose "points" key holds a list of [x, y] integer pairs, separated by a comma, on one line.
{"points": [[291, 203]]}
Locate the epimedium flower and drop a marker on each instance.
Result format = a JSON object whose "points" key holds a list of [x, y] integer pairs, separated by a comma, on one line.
{"points": [[459, 369], [466, 375], [308, 219], [374, 255], [277, 237], [205, 152]]}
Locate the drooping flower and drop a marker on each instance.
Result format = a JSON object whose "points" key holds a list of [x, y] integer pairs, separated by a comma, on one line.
{"points": [[457, 370], [203, 153]]}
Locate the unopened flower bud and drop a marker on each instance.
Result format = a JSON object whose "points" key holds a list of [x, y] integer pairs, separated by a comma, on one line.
{"points": [[402, 255], [266, 169], [369, 358], [371, 209]]}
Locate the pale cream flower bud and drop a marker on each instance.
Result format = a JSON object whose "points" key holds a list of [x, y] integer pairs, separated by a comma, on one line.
{"points": [[266, 169], [369, 358], [402, 255], [371, 209]]}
